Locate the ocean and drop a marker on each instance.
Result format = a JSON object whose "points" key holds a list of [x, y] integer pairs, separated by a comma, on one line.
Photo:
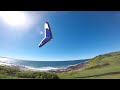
{"points": [[39, 65]]}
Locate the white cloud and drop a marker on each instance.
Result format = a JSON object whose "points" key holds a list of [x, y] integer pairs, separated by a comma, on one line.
{"points": [[41, 32]]}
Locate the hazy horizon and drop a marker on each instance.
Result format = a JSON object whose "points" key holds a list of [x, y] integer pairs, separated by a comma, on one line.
{"points": [[39, 60]]}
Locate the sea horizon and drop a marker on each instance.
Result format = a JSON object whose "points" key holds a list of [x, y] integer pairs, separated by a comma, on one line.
{"points": [[39, 65]]}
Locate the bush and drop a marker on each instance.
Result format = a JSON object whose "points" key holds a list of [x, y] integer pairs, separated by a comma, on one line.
{"points": [[44, 75], [8, 70], [36, 75], [24, 74]]}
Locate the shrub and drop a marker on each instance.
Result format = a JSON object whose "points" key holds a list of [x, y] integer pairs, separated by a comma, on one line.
{"points": [[8, 70], [45, 75], [36, 75]]}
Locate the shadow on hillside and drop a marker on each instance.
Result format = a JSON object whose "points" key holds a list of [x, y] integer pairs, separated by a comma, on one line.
{"points": [[100, 75]]}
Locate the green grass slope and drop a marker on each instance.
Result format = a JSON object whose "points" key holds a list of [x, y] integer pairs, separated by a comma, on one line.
{"points": [[106, 66], [14, 73]]}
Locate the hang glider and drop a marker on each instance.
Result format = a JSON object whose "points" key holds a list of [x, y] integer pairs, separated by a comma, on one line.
{"points": [[48, 34]]}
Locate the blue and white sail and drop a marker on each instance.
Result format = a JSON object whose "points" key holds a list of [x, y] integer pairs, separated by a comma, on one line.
{"points": [[48, 34]]}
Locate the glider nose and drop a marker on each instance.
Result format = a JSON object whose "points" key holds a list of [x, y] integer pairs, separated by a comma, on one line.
{"points": [[40, 45]]}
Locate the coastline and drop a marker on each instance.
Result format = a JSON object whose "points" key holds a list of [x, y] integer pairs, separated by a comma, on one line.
{"points": [[71, 68], [55, 70]]}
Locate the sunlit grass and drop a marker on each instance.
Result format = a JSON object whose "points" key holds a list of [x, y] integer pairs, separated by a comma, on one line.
{"points": [[103, 66]]}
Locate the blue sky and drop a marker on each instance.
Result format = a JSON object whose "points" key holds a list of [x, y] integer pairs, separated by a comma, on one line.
{"points": [[76, 35]]}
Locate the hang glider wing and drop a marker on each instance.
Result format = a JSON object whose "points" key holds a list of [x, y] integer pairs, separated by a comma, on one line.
{"points": [[48, 35]]}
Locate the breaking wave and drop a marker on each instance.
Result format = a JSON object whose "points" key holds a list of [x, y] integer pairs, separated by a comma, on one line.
{"points": [[34, 66], [11, 63]]}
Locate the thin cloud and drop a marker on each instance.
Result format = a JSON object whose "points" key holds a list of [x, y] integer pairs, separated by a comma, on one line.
{"points": [[41, 32]]}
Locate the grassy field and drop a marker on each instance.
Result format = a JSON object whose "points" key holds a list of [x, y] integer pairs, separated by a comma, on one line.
{"points": [[14, 73], [105, 66]]}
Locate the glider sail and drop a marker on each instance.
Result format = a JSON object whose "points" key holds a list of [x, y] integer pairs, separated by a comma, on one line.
{"points": [[48, 35]]}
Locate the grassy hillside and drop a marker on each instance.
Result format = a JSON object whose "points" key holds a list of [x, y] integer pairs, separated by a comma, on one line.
{"points": [[106, 66], [14, 73]]}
